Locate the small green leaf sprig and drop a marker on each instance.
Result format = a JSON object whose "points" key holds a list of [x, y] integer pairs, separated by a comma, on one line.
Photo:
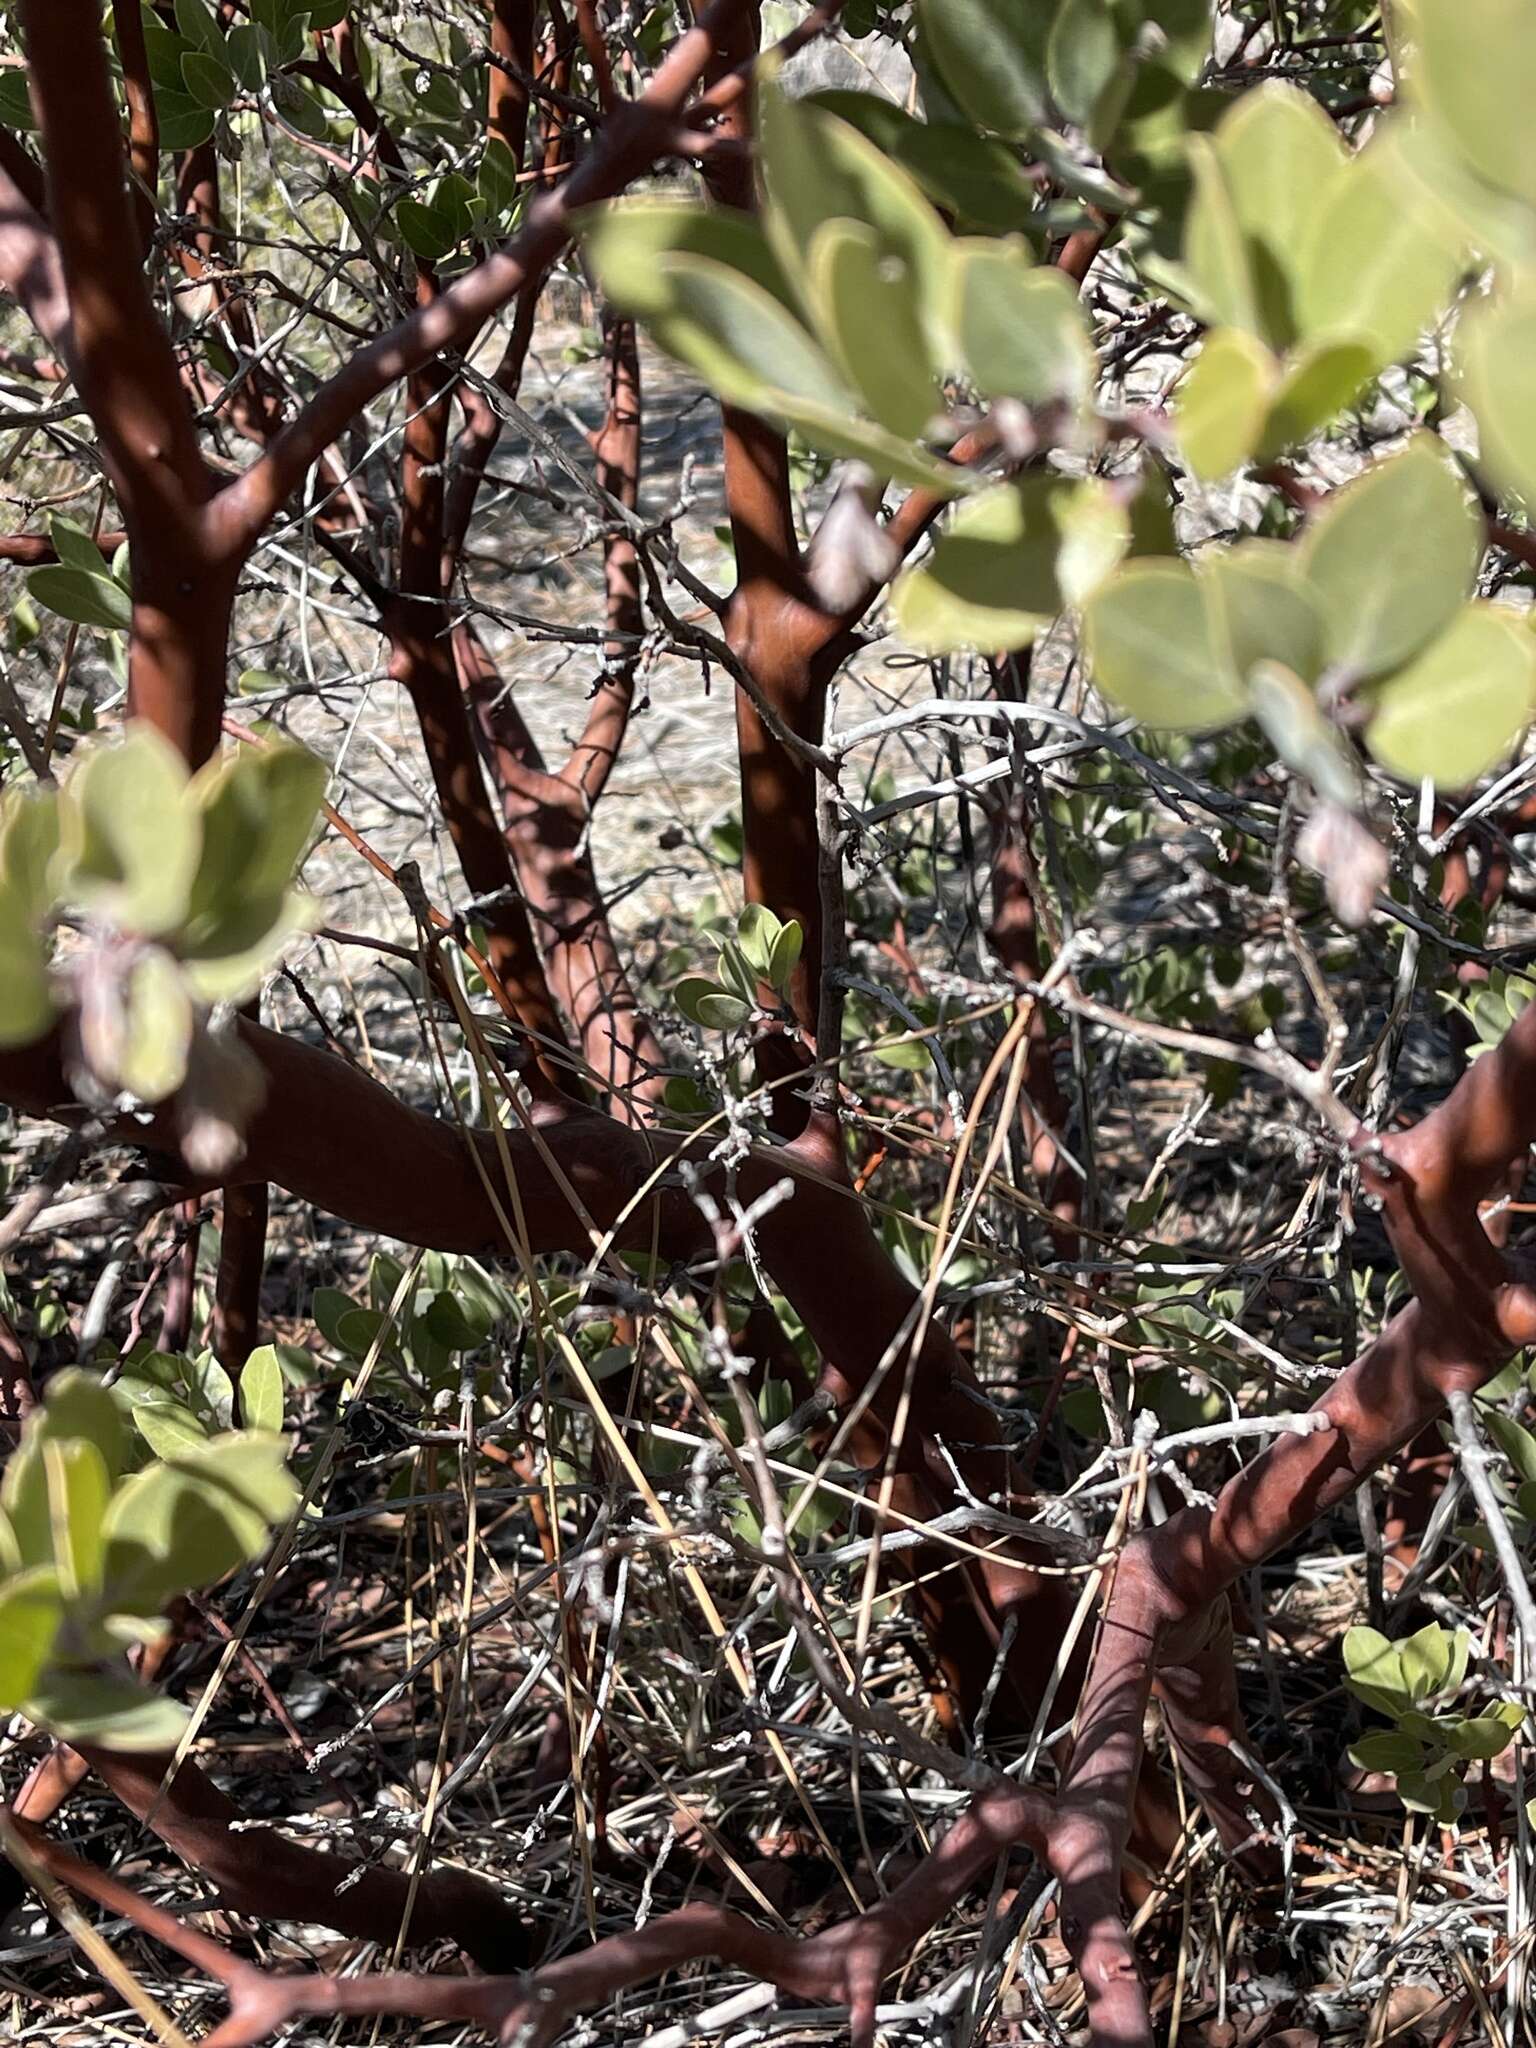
{"points": [[143, 902], [91, 1553], [764, 951], [1492, 1008], [1426, 1752]]}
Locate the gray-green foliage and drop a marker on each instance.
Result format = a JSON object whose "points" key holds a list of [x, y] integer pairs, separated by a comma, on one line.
{"points": [[1315, 266], [94, 1545], [764, 951], [1428, 1748], [175, 892]]}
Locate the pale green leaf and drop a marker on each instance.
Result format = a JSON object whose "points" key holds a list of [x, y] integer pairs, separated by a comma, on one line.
{"points": [[817, 168], [157, 1027], [740, 340], [1476, 74], [1387, 1750], [1496, 375], [1373, 265], [130, 838], [1217, 253], [1427, 1659], [720, 1011], [1375, 1670], [1261, 607], [626, 240], [78, 1489], [26, 1000], [1224, 402], [168, 1427], [29, 843], [261, 1390], [1021, 330], [228, 957], [74, 546], [31, 1615], [1517, 1444], [1392, 557], [110, 1713], [77, 1404], [258, 808], [977, 180], [1098, 529], [1481, 1738], [991, 582], [1153, 650], [1318, 380], [186, 1522], [860, 291], [1303, 738], [1461, 705], [85, 599], [1282, 159], [785, 955], [757, 929], [1082, 57]]}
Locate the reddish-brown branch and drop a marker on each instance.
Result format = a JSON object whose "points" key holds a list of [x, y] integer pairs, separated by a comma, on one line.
{"points": [[512, 29], [143, 120], [237, 1284], [34, 550], [251, 1872], [181, 1280], [122, 361], [844, 1965], [617, 448], [127, 375]]}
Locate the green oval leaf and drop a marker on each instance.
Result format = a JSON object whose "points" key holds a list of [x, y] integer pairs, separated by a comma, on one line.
{"points": [[991, 582], [130, 839], [1496, 376], [1224, 402], [84, 597], [157, 1028], [261, 1390], [1477, 76], [991, 56], [1462, 704], [1392, 557], [1281, 159], [26, 997], [31, 1615], [1372, 264], [1021, 330], [208, 79], [1152, 649], [862, 290]]}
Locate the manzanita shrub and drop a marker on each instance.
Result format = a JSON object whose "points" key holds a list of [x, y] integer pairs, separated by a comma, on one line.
{"points": [[812, 1314]]}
